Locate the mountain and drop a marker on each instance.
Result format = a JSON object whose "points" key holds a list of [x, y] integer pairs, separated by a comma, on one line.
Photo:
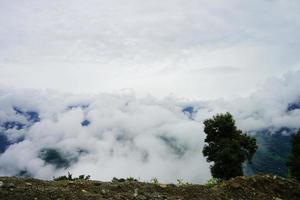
{"points": [[272, 153]]}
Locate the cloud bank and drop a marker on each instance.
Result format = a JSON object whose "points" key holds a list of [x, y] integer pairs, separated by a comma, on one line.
{"points": [[46, 134], [104, 136]]}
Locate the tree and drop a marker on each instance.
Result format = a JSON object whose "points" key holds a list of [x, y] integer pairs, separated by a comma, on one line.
{"points": [[226, 146], [293, 162]]}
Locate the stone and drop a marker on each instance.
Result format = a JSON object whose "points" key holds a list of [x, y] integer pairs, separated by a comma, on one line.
{"points": [[163, 185], [28, 184], [103, 192], [235, 185], [135, 194]]}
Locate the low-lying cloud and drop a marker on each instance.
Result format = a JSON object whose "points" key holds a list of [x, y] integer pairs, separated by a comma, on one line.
{"points": [[104, 136], [45, 133]]}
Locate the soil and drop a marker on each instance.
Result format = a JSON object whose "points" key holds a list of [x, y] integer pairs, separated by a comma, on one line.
{"points": [[260, 187]]}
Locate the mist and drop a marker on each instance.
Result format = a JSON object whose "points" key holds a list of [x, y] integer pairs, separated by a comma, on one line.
{"points": [[48, 133]]}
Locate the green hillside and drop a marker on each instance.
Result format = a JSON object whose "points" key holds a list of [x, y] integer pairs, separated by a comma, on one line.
{"points": [[271, 155]]}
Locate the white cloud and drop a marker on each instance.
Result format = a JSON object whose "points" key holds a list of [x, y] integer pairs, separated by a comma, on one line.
{"points": [[157, 47], [125, 137], [130, 136]]}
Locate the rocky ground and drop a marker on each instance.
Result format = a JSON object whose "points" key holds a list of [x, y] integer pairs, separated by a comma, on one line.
{"points": [[256, 187]]}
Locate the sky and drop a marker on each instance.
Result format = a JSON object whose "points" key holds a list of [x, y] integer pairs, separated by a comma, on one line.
{"points": [[120, 89], [195, 49]]}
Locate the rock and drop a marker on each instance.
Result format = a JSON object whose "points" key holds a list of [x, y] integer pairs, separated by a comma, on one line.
{"points": [[156, 196], [28, 184], [163, 185], [1, 184], [135, 194], [235, 185], [11, 185], [83, 191], [103, 192]]}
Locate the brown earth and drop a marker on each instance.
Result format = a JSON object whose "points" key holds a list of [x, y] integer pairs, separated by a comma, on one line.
{"points": [[241, 188]]}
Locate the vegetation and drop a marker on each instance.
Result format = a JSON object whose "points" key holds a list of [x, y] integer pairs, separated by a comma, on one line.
{"points": [[255, 188], [294, 158], [226, 146], [154, 181], [55, 158], [180, 182], [212, 182], [131, 179], [272, 153], [69, 177]]}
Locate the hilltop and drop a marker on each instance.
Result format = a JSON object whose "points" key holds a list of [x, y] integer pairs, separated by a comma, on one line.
{"points": [[255, 187]]}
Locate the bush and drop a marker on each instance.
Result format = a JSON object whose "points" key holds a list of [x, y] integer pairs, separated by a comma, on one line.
{"points": [[212, 182], [154, 181], [69, 177]]}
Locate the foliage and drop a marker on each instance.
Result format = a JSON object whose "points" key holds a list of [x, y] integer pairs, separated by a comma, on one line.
{"points": [[131, 179], [180, 182], [294, 157], [212, 182], [69, 177], [226, 146], [154, 181], [272, 153]]}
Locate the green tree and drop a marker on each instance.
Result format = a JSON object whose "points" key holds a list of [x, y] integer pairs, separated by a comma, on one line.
{"points": [[226, 146], [293, 162]]}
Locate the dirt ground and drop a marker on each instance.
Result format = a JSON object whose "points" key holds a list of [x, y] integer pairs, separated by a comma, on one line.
{"points": [[241, 188]]}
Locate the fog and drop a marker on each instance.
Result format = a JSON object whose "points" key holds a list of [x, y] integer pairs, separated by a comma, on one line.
{"points": [[49, 133]]}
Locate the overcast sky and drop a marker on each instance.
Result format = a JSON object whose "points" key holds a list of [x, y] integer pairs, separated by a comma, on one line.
{"points": [[189, 48]]}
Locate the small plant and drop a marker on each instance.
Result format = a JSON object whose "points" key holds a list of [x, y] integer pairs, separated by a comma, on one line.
{"points": [[69, 177], [154, 181], [180, 182], [131, 179], [60, 178], [120, 180], [83, 177], [212, 182]]}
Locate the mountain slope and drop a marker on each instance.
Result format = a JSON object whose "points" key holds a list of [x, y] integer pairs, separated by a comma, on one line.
{"points": [[256, 187]]}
